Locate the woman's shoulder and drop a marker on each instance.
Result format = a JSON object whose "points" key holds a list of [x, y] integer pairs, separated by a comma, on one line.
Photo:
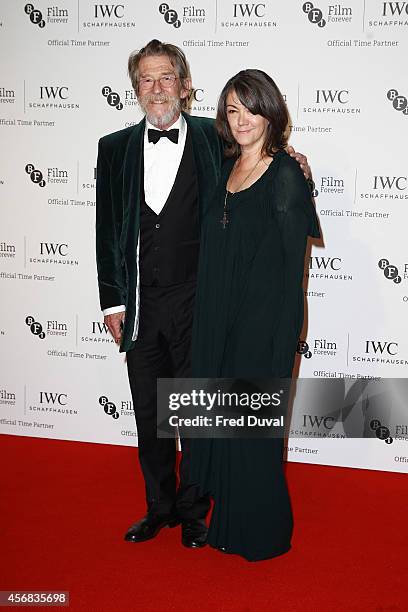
{"points": [[286, 163]]}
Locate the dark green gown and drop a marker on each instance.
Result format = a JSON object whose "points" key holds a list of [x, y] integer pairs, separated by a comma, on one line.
{"points": [[249, 314]]}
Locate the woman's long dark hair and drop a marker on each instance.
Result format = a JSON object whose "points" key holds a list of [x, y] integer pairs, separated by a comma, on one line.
{"points": [[260, 95]]}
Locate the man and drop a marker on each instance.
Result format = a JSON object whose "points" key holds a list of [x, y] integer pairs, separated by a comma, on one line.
{"points": [[153, 187]]}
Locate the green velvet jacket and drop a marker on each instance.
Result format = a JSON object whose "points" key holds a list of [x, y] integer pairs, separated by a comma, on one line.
{"points": [[119, 173]]}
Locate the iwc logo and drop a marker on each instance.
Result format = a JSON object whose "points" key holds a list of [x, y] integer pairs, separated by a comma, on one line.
{"points": [[380, 352], [50, 97], [328, 268], [329, 102], [53, 253], [51, 402], [108, 16], [393, 14], [99, 332], [384, 187], [243, 15]]}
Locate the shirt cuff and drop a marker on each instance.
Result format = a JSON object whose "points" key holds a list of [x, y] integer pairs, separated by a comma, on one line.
{"points": [[114, 310]]}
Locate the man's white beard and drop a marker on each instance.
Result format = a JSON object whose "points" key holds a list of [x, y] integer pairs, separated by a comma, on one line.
{"points": [[167, 118]]}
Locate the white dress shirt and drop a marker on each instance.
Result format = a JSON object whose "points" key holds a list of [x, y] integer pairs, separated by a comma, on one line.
{"points": [[160, 160]]}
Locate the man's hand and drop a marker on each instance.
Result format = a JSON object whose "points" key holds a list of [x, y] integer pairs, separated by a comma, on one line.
{"points": [[114, 323], [302, 160]]}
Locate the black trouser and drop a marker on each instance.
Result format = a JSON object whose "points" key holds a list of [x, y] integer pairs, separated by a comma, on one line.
{"points": [[163, 351]]}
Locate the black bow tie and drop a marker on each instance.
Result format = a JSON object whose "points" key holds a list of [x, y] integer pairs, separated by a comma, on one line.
{"points": [[155, 135]]}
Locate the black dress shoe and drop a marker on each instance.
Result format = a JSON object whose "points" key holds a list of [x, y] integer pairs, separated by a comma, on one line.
{"points": [[193, 533], [149, 527]]}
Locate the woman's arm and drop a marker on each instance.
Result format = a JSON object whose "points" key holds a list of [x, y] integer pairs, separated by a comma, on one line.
{"points": [[296, 219]]}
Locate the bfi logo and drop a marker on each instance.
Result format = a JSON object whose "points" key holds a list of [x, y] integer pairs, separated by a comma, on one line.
{"points": [[381, 431], [303, 349], [53, 328], [335, 12], [108, 407], [190, 14], [170, 16], [399, 102], [36, 175], [390, 271], [314, 14], [35, 15], [321, 346], [36, 328], [54, 175], [55, 14], [112, 98]]}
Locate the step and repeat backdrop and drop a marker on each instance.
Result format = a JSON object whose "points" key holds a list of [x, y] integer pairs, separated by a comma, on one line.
{"points": [[342, 70]]}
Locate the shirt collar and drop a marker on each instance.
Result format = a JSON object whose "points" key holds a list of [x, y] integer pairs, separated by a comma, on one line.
{"points": [[180, 124]]}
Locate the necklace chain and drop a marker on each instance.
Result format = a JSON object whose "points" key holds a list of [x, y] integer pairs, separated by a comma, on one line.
{"points": [[247, 176], [225, 219]]}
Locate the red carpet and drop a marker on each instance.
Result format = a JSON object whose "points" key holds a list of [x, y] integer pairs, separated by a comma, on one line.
{"points": [[66, 505]]}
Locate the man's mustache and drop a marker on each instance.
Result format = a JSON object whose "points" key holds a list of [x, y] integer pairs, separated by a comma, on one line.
{"points": [[157, 98]]}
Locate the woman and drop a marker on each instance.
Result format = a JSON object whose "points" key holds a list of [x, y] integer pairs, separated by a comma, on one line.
{"points": [[249, 308]]}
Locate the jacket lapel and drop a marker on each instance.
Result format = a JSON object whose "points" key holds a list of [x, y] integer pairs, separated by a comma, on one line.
{"points": [[132, 176], [207, 166]]}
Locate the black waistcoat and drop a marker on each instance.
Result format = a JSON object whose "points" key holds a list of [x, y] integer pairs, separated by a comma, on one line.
{"points": [[169, 241]]}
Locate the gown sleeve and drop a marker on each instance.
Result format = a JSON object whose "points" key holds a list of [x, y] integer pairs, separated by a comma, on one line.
{"points": [[296, 219]]}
